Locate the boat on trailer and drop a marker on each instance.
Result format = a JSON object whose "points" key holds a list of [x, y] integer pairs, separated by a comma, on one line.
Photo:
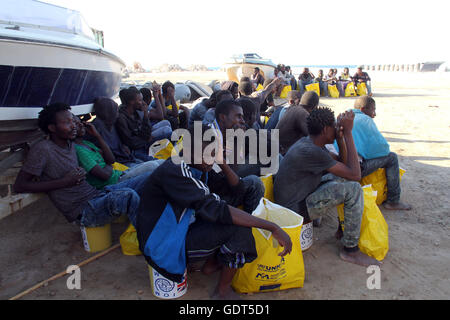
{"points": [[48, 54]]}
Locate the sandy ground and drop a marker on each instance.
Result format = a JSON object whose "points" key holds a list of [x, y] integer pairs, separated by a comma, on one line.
{"points": [[413, 112]]}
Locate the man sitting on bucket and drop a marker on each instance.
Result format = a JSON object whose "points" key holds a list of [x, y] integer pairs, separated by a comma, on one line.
{"points": [[311, 180], [180, 219]]}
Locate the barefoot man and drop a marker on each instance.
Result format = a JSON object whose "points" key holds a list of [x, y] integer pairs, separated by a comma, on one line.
{"points": [[311, 180]]}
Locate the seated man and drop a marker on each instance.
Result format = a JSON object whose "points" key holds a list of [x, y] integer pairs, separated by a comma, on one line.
{"points": [[257, 97], [106, 111], [134, 127], [329, 80], [304, 79], [293, 124], [291, 78], [361, 76], [161, 129], [97, 162], [269, 103], [375, 151], [229, 118], [231, 86], [52, 167], [176, 118], [210, 114], [200, 106], [301, 185], [323, 85], [170, 235]]}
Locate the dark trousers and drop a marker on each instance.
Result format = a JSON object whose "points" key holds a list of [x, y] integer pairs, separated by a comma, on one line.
{"points": [[390, 164]]}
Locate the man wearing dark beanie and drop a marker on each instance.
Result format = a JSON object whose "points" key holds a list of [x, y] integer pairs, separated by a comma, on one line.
{"points": [[292, 124]]}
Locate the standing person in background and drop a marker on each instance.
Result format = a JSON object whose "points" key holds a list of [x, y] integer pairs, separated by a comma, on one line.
{"points": [[257, 77], [361, 76], [305, 78]]}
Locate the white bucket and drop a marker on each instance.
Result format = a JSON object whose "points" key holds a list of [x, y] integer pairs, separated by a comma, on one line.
{"points": [[306, 236], [164, 288]]}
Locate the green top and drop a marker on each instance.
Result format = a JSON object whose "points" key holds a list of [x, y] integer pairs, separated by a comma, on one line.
{"points": [[89, 156]]}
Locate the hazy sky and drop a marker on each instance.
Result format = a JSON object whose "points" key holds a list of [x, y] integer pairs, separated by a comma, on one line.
{"points": [[290, 32]]}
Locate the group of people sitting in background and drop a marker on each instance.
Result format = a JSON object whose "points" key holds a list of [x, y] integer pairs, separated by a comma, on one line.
{"points": [[76, 166], [307, 77]]}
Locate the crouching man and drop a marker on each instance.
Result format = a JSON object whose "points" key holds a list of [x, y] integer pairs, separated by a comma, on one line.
{"points": [[180, 220]]}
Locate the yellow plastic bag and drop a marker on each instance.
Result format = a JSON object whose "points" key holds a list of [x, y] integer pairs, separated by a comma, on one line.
{"points": [[268, 186], [313, 87], [379, 184], [119, 167], [333, 91], [284, 92], [350, 90], [361, 89], [269, 271], [374, 236], [164, 149], [129, 242], [259, 87]]}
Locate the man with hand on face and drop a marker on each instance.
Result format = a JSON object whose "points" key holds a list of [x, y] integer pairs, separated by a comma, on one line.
{"points": [[311, 180]]}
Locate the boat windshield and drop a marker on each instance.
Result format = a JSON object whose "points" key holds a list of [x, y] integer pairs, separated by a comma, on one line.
{"points": [[44, 15], [251, 56]]}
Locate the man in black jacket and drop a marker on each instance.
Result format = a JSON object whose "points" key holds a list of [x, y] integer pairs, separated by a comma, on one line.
{"points": [[179, 214]]}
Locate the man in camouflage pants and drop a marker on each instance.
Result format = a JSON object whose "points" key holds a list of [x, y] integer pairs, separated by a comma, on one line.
{"points": [[312, 180], [332, 192]]}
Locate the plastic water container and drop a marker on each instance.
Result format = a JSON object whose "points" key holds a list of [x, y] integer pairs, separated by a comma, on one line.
{"points": [[306, 236], [96, 239], [164, 288]]}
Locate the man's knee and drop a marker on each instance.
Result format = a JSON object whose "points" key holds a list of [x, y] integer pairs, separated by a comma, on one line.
{"points": [[393, 158], [254, 184]]}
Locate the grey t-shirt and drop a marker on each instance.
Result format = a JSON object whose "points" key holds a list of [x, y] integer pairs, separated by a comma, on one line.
{"points": [[50, 162], [300, 173]]}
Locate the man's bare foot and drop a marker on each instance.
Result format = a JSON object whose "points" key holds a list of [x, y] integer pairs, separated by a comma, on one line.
{"points": [[396, 206], [211, 265], [225, 294], [359, 258]]}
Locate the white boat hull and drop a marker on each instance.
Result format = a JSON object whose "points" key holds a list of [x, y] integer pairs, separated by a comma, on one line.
{"points": [[237, 70]]}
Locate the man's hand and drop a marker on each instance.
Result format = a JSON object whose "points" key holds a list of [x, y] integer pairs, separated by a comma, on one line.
{"points": [[156, 88], [284, 240], [346, 121], [339, 128], [171, 93], [91, 130], [75, 176]]}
